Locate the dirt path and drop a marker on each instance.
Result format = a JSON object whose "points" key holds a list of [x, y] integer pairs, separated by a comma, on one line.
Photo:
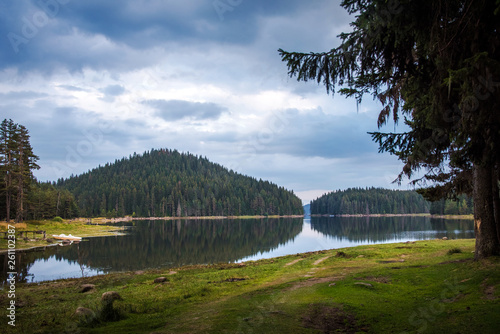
{"points": [[320, 260], [293, 262]]}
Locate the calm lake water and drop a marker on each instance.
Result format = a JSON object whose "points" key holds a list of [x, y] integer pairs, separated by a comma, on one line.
{"points": [[167, 244]]}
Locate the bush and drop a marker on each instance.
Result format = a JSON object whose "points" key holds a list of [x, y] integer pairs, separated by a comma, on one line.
{"points": [[57, 219], [454, 251], [341, 254]]}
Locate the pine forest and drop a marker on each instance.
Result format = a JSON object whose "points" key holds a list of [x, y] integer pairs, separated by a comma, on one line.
{"points": [[167, 183], [356, 201]]}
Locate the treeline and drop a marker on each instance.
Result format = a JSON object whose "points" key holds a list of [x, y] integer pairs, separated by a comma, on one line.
{"points": [[369, 201], [46, 201], [463, 205], [166, 183]]}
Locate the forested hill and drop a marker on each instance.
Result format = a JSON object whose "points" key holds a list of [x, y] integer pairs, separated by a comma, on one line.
{"points": [[370, 201], [162, 183]]}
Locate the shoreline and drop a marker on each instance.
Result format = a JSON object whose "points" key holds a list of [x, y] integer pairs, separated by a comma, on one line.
{"points": [[128, 218], [468, 217]]}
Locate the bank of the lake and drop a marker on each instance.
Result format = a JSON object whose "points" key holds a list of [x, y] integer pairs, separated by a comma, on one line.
{"points": [[77, 227], [401, 215], [426, 287]]}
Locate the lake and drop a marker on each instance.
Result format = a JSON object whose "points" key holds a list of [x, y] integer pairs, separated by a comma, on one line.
{"points": [[174, 243]]}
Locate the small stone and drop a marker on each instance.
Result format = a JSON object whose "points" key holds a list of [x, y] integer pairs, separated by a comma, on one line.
{"points": [[368, 285], [87, 287], [160, 280], [84, 312], [110, 296]]}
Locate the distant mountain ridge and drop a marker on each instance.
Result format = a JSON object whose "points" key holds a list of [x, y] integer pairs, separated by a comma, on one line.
{"points": [[355, 201], [307, 210], [167, 183]]}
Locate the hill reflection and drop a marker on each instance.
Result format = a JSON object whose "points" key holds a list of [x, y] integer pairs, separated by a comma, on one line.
{"points": [[155, 244]]}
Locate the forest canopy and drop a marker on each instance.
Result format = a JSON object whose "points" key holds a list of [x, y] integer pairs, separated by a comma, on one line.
{"points": [[167, 183], [366, 201]]}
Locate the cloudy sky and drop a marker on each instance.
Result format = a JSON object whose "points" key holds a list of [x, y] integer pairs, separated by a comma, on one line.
{"points": [[94, 81]]}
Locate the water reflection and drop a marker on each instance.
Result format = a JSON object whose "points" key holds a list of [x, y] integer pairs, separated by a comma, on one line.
{"points": [[155, 244], [384, 229], [164, 244]]}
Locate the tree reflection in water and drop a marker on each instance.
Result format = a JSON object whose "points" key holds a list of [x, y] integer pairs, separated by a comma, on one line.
{"points": [[164, 244], [381, 229]]}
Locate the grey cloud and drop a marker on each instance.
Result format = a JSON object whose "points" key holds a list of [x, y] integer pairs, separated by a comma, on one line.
{"points": [[113, 90], [21, 95], [174, 110], [73, 88], [315, 134], [70, 34]]}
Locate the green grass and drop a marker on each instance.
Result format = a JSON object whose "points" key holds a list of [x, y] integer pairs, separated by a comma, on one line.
{"points": [[75, 227], [395, 288]]}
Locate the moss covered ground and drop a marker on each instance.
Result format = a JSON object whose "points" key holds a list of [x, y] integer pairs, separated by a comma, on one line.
{"points": [[422, 287]]}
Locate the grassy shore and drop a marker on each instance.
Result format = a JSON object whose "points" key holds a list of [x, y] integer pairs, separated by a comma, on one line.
{"points": [[78, 227], [423, 287]]}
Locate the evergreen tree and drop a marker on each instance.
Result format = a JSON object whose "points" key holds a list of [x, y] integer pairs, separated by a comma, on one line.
{"points": [[17, 162], [45, 201], [437, 64], [7, 149], [25, 162]]}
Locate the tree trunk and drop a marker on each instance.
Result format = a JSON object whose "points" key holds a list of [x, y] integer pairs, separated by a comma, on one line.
{"points": [[8, 183], [7, 204], [58, 202], [20, 180], [487, 242], [496, 198], [20, 201]]}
